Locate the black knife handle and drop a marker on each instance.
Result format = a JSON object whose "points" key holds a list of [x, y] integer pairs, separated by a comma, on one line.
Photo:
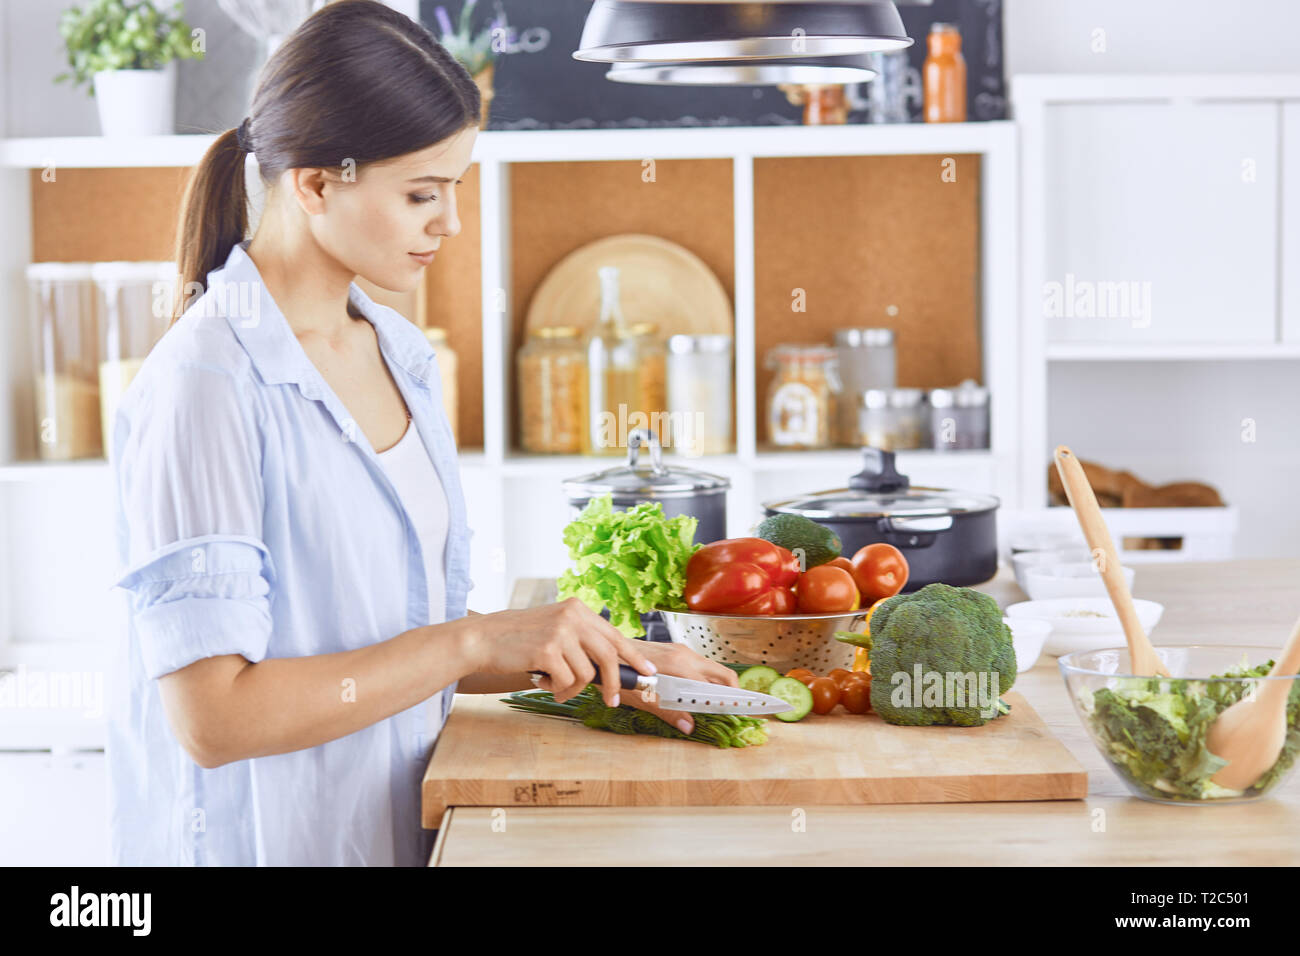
{"points": [[627, 675]]}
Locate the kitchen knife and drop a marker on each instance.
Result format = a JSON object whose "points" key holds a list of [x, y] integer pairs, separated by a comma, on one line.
{"points": [[694, 696]]}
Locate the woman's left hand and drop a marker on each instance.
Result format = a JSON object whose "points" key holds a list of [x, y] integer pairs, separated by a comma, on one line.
{"points": [[679, 661]]}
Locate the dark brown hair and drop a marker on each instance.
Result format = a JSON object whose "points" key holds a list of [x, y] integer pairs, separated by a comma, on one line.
{"points": [[356, 81]]}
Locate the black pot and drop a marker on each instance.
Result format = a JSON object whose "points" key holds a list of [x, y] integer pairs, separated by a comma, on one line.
{"points": [[946, 536]]}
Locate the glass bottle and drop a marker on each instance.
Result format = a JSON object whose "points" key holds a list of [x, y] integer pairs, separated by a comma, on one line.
{"points": [[801, 396], [612, 380], [944, 75]]}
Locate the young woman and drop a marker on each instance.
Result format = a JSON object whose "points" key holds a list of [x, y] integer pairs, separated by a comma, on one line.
{"points": [[290, 514]]}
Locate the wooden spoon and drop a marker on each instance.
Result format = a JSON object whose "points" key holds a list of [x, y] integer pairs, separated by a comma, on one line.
{"points": [[1251, 733], [1142, 656]]}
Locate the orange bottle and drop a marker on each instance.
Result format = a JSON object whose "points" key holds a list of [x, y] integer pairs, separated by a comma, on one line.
{"points": [[944, 75]]}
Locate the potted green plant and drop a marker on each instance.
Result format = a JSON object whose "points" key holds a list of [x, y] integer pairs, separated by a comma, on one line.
{"points": [[474, 51], [126, 51]]}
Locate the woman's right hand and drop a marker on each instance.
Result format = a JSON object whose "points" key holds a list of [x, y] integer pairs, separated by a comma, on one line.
{"points": [[561, 639]]}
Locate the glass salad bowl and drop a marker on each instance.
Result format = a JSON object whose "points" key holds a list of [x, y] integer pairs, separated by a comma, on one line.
{"points": [[1152, 730]]}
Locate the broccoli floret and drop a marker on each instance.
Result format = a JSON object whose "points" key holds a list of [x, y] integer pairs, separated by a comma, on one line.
{"points": [[938, 655]]}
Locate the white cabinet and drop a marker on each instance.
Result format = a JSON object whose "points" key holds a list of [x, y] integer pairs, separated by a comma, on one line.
{"points": [[1161, 222], [1290, 254]]}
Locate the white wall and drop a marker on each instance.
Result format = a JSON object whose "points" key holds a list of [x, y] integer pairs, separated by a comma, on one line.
{"points": [[1152, 36]]}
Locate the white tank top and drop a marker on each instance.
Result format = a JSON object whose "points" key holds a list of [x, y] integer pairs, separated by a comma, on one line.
{"points": [[411, 471]]}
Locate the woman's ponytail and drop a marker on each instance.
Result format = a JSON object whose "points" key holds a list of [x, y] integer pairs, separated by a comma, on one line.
{"points": [[214, 216]]}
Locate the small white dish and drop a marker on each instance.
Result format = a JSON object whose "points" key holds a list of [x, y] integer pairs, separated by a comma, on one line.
{"points": [[1023, 560], [1083, 624], [1028, 635], [1043, 582]]}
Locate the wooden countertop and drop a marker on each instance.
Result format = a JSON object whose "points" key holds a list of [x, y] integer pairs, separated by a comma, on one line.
{"points": [[1238, 602]]}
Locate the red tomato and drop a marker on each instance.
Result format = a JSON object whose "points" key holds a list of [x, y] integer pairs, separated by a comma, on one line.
{"points": [[880, 571], [840, 562], [826, 590], [856, 696], [826, 695], [802, 675], [839, 675], [725, 586], [780, 565]]}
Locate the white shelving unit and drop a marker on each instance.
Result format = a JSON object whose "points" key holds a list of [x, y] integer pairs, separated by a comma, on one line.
{"points": [[1123, 177], [516, 504]]}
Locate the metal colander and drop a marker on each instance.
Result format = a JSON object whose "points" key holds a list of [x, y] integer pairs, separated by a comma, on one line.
{"points": [[782, 642]]}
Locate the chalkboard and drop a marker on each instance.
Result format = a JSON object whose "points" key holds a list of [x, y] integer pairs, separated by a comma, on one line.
{"points": [[539, 85]]}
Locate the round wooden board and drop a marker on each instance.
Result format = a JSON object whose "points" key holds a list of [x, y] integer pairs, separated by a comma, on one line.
{"points": [[659, 282]]}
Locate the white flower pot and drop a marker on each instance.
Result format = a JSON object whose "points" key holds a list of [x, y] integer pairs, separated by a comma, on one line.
{"points": [[136, 102]]}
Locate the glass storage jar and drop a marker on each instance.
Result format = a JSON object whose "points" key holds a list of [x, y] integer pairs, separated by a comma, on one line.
{"points": [[65, 337], [134, 303], [959, 417], [801, 396], [866, 361], [448, 367], [890, 419], [552, 391], [700, 397]]}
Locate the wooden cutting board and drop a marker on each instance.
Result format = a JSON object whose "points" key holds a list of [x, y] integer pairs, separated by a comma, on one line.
{"points": [[491, 756]]}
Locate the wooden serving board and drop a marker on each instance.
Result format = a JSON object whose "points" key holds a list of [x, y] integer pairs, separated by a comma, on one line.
{"points": [[489, 755]]}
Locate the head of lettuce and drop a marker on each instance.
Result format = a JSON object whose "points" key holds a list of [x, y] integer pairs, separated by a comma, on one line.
{"points": [[629, 561]]}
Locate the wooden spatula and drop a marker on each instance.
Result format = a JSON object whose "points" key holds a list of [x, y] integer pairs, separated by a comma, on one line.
{"points": [[1142, 656], [1251, 733]]}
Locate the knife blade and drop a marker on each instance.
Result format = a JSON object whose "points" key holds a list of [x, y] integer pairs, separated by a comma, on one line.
{"points": [[695, 696]]}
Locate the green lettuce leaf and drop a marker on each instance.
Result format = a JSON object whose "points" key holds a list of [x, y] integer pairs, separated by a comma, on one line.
{"points": [[629, 561]]}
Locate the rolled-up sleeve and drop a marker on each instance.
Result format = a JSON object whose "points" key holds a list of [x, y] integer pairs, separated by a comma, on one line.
{"points": [[189, 482]]}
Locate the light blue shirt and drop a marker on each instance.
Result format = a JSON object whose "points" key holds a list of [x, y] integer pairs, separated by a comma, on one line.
{"points": [[255, 518]]}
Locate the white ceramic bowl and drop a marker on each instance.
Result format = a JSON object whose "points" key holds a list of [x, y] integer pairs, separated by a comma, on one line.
{"points": [[1043, 582], [1024, 560], [1028, 635], [1083, 624]]}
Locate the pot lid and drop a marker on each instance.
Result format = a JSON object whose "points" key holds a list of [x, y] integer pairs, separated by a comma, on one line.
{"points": [[880, 491], [849, 504], [646, 479]]}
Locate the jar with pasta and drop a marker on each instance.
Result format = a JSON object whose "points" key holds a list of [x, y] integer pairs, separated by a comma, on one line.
{"points": [[552, 369], [801, 396]]}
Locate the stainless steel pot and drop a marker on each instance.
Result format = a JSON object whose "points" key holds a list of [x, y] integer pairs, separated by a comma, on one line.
{"points": [[947, 536], [681, 491]]}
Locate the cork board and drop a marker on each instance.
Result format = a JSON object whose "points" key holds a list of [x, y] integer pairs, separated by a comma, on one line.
{"points": [[102, 215], [558, 207], [864, 236]]}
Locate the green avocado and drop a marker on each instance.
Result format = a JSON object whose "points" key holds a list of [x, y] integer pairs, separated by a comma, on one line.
{"points": [[817, 543]]}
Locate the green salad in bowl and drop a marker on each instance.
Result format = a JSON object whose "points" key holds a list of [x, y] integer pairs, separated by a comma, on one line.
{"points": [[1152, 730]]}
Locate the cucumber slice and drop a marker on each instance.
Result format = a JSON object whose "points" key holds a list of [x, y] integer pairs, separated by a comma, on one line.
{"points": [[796, 694], [758, 678]]}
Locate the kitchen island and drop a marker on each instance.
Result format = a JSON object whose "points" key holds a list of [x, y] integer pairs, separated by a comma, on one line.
{"points": [[1238, 602]]}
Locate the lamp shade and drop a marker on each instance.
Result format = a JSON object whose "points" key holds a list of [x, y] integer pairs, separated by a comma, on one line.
{"points": [[769, 72], [645, 31]]}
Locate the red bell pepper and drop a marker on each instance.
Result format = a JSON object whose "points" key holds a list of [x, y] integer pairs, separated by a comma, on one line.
{"points": [[741, 576]]}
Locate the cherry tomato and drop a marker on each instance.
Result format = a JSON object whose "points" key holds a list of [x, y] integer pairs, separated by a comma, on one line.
{"points": [[880, 571], [826, 590], [826, 694], [802, 675], [840, 562], [839, 675], [856, 696], [856, 677]]}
